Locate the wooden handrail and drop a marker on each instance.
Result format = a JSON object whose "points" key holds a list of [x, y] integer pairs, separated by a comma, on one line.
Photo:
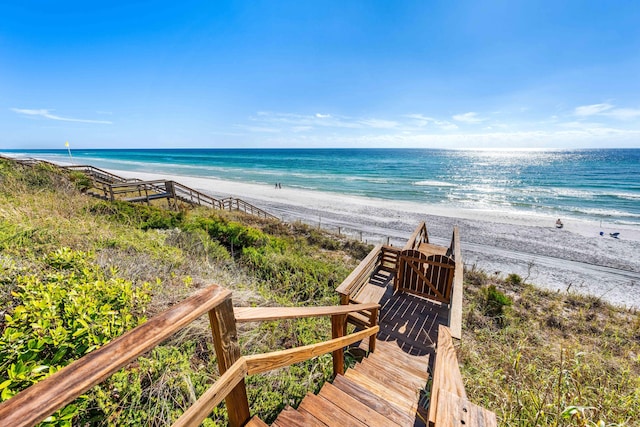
{"points": [[420, 231], [455, 309], [42, 399], [214, 395], [364, 268], [258, 314], [259, 363], [139, 183]]}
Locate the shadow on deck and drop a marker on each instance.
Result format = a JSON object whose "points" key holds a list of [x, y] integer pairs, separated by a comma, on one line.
{"points": [[411, 322]]}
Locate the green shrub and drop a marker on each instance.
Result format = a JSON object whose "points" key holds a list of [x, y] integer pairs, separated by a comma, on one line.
{"points": [[514, 279], [495, 302], [80, 180], [57, 318], [140, 216]]}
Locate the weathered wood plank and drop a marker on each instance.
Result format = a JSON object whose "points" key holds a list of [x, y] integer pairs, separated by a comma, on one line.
{"points": [[454, 411], [258, 363], [384, 407], [446, 373], [259, 314], [213, 396], [396, 372], [391, 352], [354, 407], [292, 418], [328, 413], [431, 249], [392, 384], [403, 401], [455, 310], [225, 341], [338, 327], [256, 422], [369, 293], [42, 399], [363, 269]]}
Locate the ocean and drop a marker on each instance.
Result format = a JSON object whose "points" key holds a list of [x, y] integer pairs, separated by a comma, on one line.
{"points": [[600, 184]]}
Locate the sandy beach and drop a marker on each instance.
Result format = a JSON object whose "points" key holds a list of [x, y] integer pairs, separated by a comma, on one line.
{"points": [[575, 258]]}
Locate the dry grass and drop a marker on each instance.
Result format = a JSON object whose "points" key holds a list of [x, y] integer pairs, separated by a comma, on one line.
{"points": [[550, 352]]}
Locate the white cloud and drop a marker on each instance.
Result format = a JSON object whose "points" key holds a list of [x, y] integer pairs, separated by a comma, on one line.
{"points": [[422, 121], [607, 110], [623, 113], [593, 109], [470, 117], [379, 124], [323, 116], [258, 129], [47, 115]]}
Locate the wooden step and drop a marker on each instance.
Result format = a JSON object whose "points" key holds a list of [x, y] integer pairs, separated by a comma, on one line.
{"points": [[289, 417], [384, 358], [354, 407], [256, 422], [389, 410], [397, 372], [392, 384], [387, 375], [456, 411], [327, 412], [391, 350], [407, 403]]}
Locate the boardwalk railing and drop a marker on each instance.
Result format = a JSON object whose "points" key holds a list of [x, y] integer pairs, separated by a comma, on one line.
{"points": [[110, 186], [36, 403], [99, 174], [448, 404]]}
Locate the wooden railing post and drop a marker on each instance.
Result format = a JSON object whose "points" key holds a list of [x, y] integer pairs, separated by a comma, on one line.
{"points": [[373, 321], [338, 328], [225, 341]]}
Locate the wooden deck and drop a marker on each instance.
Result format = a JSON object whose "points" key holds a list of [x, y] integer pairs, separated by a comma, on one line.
{"points": [[411, 322]]}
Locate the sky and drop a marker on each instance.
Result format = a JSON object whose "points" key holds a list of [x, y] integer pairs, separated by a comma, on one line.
{"points": [[217, 74]]}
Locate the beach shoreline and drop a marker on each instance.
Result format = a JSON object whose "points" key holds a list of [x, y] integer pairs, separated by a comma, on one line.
{"points": [[575, 258]]}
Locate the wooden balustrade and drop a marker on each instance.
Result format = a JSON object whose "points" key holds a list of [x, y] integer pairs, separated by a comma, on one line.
{"points": [[448, 404], [39, 401]]}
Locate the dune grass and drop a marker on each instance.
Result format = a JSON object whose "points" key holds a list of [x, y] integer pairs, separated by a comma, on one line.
{"points": [[538, 357]]}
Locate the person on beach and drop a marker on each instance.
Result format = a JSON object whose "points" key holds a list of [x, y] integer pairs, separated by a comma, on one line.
{"points": [[559, 223]]}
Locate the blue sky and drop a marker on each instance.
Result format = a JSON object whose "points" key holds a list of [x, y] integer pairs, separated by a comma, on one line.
{"points": [[447, 74]]}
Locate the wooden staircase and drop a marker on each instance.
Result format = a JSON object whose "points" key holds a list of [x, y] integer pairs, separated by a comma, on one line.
{"points": [[384, 389]]}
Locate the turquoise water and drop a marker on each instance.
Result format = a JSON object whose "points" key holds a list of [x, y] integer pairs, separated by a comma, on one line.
{"points": [[588, 184]]}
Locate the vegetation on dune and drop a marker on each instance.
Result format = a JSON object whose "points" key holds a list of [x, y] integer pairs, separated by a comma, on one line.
{"points": [[87, 270], [76, 272], [538, 357]]}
